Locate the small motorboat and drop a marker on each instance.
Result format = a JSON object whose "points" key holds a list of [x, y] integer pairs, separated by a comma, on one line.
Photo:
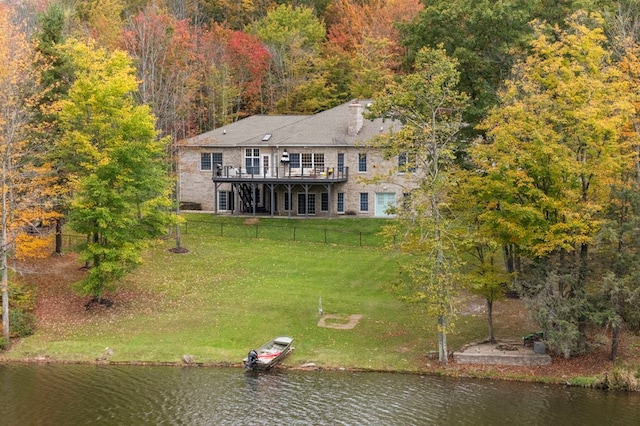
{"points": [[269, 354]]}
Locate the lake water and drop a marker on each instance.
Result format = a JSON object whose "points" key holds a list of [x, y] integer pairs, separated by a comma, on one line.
{"points": [[131, 395]]}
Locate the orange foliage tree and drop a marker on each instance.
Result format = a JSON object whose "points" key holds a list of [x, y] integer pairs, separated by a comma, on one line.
{"points": [[23, 203], [231, 66], [366, 31], [162, 48]]}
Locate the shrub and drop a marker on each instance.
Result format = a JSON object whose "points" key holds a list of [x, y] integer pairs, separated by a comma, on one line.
{"points": [[4, 344], [21, 297], [595, 382], [22, 323], [624, 378]]}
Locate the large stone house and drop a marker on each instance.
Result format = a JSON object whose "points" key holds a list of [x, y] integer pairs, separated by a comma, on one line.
{"points": [[293, 165]]}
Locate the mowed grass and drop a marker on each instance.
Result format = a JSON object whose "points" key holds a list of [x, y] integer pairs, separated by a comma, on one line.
{"points": [[229, 295], [342, 231]]}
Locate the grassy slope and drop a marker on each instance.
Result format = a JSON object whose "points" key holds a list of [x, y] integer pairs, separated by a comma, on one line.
{"points": [[228, 295]]}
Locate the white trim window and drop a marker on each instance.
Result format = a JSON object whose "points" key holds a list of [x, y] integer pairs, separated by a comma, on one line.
{"points": [[252, 160], [313, 161], [405, 163], [364, 201], [225, 200], [209, 159], [306, 204], [341, 162], [324, 202], [362, 162]]}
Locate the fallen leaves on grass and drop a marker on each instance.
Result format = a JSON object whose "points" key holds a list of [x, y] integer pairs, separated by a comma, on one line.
{"points": [[58, 309]]}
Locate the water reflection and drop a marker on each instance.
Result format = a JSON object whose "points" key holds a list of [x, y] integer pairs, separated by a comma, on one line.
{"points": [[123, 395]]}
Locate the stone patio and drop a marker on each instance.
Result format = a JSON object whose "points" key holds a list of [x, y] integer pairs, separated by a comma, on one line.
{"points": [[504, 352]]}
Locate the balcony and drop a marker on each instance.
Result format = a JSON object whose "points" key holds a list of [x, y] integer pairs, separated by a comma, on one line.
{"points": [[280, 174]]}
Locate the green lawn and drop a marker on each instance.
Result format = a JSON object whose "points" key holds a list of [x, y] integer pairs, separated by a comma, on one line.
{"points": [[228, 295], [344, 230]]}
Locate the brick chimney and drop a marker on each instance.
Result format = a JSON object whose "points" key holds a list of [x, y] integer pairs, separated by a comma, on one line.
{"points": [[356, 120]]}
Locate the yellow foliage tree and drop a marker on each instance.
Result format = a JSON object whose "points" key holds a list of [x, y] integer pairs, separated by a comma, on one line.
{"points": [[20, 175], [555, 150]]}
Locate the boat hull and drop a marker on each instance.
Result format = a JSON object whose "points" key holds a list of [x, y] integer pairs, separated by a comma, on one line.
{"points": [[269, 355]]}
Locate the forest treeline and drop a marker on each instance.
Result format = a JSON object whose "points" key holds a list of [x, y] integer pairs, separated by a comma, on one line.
{"points": [[522, 131], [204, 63]]}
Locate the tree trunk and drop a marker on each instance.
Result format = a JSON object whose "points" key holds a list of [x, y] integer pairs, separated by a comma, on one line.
{"points": [[3, 251], [492, 337], [508, 257], [443, 356], [614, 343], [178, 236], [58, 249], [582, 284], [5, 298]]}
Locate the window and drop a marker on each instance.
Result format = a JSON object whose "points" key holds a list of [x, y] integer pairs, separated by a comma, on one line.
{"points": [[307, 161], [225, 200], [341, 162], [403, 163], [312, 161], [362, 162], [209, 159], [287, 204], [340, 206], [252, 160], [205, 161], [222, 200], [306, 205], [324, 202], [294, 160], [406, 200], [364, 202]]}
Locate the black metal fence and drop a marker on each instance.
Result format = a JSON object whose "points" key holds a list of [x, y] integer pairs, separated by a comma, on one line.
{"points": [[270, 231], [267, 231]]}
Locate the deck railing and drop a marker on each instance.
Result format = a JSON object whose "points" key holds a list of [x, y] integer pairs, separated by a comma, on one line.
{"points": [[281, 172]]}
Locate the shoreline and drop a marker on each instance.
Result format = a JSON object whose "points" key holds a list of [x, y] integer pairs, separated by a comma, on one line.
{"points": [[397, 345], [452, 370]]}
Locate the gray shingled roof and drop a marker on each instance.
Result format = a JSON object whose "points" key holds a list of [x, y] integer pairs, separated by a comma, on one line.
{"points": [[327, 128]]}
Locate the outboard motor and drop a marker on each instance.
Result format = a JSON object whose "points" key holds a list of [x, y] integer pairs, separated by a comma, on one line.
{"points": [[252, 359]]}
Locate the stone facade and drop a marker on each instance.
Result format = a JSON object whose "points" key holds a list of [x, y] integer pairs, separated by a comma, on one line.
{"points": [[240, 166]]}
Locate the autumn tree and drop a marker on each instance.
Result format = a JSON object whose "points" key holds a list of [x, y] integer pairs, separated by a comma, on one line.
{"points": [[237, 14], [102, 20], [230, 67], [618, 296], [121, 190], [430, 108], [485, 37], [22, 204], [366, 32], [292, 36], [485, 272], [553, 151], [56, 75], [163, 50]]}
